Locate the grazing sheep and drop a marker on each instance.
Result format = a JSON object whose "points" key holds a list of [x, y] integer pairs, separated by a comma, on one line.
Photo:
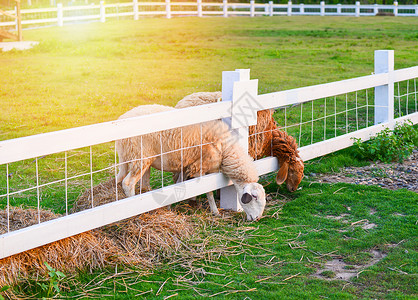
{"points": [[219, 152], [265, 139]]}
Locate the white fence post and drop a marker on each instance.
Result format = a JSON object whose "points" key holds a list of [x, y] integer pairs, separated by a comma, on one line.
{"points": [[357, 8], [17, 21], [302, 8], [136, 16], [395, 8], [271, 8], [225, 8], [322, 9], [102, 12], [167, 9], [376, 9], [339, 9], [237, 87], [252, 8], [416, 10], [199, 8], [289, 8], [383, 95], [60, 15]]}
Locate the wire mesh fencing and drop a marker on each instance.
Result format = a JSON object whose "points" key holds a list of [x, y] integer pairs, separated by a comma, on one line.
{"points": [[75, 180], [406, 97], [322, 119], [53, 185]]}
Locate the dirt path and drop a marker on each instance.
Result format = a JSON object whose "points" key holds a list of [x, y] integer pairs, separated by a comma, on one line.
{"points": [[391, 176]]}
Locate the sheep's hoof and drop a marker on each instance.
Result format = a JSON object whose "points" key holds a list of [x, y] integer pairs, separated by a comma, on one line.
{"points": [[128, 193], [216, 213]]}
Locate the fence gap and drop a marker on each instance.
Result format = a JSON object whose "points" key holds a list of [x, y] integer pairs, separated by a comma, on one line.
{"points": [[91, 176], [335, 114], [141, 163], [162, 160], [181, 178], [8, 197], [300, 124], [356, 112], [312, 121], [201, 150], [116, 172], [407, 95], [37, 189], [325, 119], [66, 182]]}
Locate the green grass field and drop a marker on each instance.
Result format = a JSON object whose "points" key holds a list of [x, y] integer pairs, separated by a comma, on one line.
{"points": [[90, 73]]}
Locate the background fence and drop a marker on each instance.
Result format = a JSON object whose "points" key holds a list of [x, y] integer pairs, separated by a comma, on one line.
{"points": [[49, 171], [61, 15]]}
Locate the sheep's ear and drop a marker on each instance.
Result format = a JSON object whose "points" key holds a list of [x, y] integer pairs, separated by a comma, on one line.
{"points": [[282, 174], [246, 198]]}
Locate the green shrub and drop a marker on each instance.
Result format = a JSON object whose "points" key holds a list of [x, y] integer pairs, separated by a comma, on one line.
{"points": [[390, 145]]}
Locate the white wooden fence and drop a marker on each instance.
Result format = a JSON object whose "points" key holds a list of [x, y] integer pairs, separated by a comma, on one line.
{"points": [[240, 104], [60, 15]]}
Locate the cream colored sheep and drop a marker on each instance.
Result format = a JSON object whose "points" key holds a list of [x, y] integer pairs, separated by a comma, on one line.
{"points": [[219, 152], [265, 139]]}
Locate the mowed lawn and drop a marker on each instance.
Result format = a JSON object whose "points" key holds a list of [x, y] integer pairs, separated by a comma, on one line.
{"points": [[89, 73]]}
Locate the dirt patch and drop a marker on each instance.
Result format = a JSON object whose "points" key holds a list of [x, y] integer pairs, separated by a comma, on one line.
{"points": [[390, 176], [368, 226], [337, 269], [337, 217]]}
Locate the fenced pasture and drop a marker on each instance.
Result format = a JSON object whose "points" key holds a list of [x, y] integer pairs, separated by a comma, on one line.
{"points": [[59, 15], [31, 185], [69, 74], [74, 67]]}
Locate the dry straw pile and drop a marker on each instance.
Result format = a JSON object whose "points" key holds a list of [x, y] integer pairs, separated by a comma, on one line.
{"points": [[142, 240]]}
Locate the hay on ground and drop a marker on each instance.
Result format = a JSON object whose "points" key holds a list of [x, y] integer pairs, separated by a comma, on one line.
{"points": [[142, 240], [103, 193], [88, 250], [20, 218], [148, 235]]}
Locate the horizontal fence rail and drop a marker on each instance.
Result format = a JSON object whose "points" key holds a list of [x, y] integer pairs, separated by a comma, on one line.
{"points": [[53, 169], [58, 141], [304, 94], [61, 15]]}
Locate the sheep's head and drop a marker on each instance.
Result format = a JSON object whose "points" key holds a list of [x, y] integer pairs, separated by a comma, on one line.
{"points": [[291, 165], [252, 198]]}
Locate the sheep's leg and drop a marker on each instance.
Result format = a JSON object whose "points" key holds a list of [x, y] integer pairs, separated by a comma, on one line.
{"points": [[145, 185], [177, 177], [123, 171], [212, 204], [135, 174]]}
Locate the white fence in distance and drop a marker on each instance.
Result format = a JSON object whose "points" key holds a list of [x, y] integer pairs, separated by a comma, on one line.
{"points": [[235, 86], [61, 15]]}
